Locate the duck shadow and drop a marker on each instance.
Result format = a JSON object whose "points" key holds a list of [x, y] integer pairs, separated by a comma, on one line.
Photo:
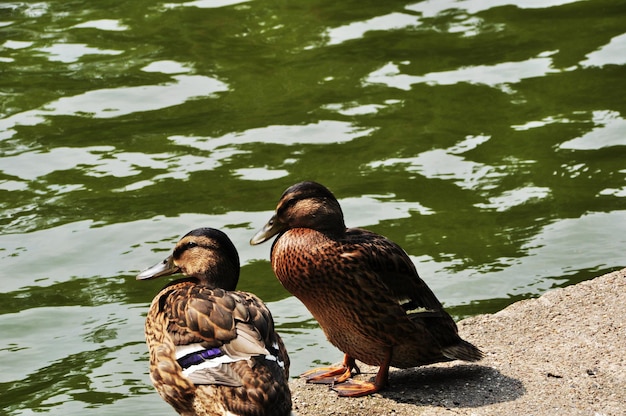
{"points": [[464, 385]]}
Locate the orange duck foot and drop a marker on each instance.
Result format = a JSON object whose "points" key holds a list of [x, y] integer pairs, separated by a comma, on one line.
{"points": [[332, 375], [327, 375], [353, 388]]}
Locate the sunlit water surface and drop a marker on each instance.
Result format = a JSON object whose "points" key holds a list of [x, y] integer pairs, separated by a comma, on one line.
{"points": [[487, 138]]}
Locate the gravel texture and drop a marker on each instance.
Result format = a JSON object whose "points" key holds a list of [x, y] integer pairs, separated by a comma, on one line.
{"points": [[563, 353]]}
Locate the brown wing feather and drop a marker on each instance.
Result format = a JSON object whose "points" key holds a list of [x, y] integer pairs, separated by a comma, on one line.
{"points": [[397, 272], [240, 323], [394, 267], [200, 314]]}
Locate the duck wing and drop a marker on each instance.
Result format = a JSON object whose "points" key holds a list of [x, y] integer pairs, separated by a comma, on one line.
{"points": [[398, 274], [396, 270], [212, 328]]}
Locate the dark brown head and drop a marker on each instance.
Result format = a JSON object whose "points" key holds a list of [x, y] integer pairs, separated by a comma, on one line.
{"points": [[206, 254], [304, 205]]}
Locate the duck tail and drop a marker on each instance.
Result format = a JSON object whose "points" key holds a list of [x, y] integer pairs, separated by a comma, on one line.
{"points": [[463, 351]]}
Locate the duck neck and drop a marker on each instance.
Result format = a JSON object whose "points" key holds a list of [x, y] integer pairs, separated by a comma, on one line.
{"points": [[221, 275], [323, 215]]}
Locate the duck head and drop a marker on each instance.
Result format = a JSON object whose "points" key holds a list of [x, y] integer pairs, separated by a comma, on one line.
{"points": [[304, 205], [205, 254]]}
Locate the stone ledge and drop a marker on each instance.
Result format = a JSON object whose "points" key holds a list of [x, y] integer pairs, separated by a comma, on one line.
{"points": [[563, 353]]}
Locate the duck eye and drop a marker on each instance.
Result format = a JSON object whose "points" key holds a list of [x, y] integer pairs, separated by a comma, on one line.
{"points": [[192, 244]]}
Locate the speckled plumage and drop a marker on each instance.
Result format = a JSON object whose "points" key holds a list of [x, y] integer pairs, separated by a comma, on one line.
{"points": [[203, 312], [362, 288]]}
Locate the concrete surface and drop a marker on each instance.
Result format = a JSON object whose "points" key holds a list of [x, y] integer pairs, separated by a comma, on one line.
{"points": [[563, 353]]}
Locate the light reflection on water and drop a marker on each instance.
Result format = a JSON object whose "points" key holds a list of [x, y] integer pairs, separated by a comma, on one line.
{"points": [[500, 75], [115, 102], [486, 142]]}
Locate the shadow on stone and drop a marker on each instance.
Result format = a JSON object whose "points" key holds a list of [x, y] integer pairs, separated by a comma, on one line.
{"points": [[457, 386]]}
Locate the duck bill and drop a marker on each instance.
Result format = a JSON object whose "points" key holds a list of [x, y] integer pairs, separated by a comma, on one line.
{"points": [[268, 231], [164, 268]]}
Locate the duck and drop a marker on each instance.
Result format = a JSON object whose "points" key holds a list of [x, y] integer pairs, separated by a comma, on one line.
{"points": [[213, 350], [363, 290]]}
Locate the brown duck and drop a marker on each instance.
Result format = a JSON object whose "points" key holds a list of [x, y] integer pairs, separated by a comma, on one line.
{"points": [[213, 350], [362, 288]]}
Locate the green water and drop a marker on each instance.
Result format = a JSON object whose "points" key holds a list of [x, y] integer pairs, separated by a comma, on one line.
{"points": [[489, 141]]}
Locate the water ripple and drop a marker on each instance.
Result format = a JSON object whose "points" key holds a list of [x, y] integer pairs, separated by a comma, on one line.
{"points": [[497, 76]]}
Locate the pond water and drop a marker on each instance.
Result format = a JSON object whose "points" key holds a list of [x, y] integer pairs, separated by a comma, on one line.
{"points": [[486, 138]]}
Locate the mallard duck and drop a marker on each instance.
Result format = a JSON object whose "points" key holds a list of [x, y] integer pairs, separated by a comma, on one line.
{"points": [[362, 288], [213, 350]]}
